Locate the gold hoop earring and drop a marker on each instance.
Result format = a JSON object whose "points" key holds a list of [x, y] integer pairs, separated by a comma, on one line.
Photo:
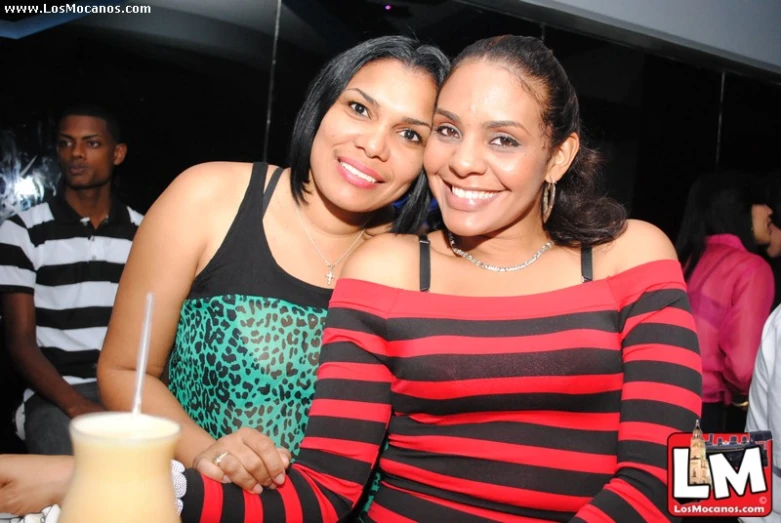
{"points": [[548, 199]]}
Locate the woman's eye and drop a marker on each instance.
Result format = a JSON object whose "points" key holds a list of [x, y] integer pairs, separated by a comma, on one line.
{"points": [[448, 131], [359, 108], [505, 141], [411, 136]]}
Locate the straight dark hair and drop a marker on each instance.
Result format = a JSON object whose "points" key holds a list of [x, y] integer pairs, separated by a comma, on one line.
{"points": [[326, 88], [581, 215], [717, 204]]}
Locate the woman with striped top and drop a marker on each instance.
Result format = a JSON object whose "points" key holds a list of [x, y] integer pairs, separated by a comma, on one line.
{"points": [[527, 363]]}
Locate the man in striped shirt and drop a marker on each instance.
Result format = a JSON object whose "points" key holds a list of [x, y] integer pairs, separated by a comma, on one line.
{"points": [[60, 263]]}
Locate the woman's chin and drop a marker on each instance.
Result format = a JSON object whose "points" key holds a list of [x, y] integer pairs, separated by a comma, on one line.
{"points": [[357, 202], [465, 226]]}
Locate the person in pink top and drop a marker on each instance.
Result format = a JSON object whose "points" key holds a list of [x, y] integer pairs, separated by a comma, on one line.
{"points": [[730, 288]]}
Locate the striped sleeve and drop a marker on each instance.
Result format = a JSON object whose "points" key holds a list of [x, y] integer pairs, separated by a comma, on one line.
{"points": [[17, 257], [661, 393], [347, 424]]}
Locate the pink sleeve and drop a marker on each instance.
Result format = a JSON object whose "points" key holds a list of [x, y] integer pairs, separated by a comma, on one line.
{"points": [[741, 332]]}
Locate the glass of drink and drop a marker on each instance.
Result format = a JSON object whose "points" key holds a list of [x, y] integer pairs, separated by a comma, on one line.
{"points": [[123, 469]]}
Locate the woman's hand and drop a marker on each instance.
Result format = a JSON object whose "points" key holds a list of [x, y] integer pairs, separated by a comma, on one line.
{"points": [[246, 458], [30, 483]]}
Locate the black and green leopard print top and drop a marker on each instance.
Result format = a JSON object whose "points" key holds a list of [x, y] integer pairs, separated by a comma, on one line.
{"points": [[248, 340]]}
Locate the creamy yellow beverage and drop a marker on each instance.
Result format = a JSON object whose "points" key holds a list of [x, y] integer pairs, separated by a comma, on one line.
{"points": [[123, 469]]}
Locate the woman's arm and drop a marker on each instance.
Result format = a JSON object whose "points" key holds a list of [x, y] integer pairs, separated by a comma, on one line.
{"points": [[29, 483], [662, 382], [166, 254], [741, 333]]}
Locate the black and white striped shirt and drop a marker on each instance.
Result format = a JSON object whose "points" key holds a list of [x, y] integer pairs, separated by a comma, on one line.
{"points": [[72, 270]]}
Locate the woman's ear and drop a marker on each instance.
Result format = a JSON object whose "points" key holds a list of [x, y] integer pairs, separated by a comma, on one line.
{"points": [[562, 158]]}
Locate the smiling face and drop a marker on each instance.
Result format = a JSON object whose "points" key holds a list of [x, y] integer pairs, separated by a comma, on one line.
{"points": [[87, 152], [488, 157], [369, 146]]}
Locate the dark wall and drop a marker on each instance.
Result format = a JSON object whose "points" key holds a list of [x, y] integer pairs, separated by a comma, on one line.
{"points": [[677, 131]]}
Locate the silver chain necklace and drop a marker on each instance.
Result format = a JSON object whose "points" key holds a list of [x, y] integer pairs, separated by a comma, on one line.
{"points": [[329, 277], [496, 268]]}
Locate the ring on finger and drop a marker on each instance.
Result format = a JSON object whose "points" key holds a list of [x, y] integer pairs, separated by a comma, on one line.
{"points": [[219, 457]]}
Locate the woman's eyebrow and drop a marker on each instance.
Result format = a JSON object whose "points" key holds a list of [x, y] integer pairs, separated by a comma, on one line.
{"points": [[447, 114], [368, 98], [415, 121], [495, 124]]}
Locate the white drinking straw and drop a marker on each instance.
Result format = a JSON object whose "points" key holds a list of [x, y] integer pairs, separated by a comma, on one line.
{"points": [[143, 353]]}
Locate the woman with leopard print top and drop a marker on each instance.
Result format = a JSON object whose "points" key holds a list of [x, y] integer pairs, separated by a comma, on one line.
{"points": [[243, 258]]}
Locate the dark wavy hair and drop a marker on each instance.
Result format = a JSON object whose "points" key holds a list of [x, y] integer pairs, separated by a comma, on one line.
{"points": [[326, 88], [717, 204], [581, 214]]}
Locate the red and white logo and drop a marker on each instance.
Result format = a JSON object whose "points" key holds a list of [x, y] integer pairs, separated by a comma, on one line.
{"points": [[719, 474]]}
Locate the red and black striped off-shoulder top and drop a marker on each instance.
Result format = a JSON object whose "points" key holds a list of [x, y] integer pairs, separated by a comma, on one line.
{"points": [[547, 407]]}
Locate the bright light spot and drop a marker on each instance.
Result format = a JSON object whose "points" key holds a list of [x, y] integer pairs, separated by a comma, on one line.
{"points": [[26, 188]]}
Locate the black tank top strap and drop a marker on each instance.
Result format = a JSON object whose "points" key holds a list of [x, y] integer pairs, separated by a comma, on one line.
{"points": [[425, 263], [212, 279], [586, 263], [244, 263], [272, 183]]}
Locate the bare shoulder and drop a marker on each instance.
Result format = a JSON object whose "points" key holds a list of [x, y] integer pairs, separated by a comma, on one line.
{"points": [[641, 242], [197, 204], [210, 182], [201, 194], [388, 259]]}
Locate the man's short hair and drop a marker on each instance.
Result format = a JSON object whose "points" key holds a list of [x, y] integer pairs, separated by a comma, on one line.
{"points": [[96, 111]]}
